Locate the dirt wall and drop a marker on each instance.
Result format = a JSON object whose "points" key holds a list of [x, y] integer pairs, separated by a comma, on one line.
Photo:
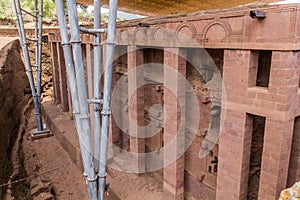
{"points": [[14, 91]]}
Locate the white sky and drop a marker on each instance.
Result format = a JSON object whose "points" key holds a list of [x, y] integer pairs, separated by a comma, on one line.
{"points": [[120, 13], [91, 8], [286, 2]]}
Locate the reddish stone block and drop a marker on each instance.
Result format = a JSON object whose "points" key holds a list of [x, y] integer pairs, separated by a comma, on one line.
{"points": [[174, 174], [55, 72], [136, 105], [62, 78], [294, 166], [278, 138]]}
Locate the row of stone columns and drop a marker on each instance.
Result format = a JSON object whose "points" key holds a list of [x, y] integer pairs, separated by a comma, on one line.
{"points": [[60, 84], [276, 103], [174, 58]]}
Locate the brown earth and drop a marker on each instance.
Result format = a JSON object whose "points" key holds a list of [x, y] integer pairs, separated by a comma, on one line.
{"points": [[20, 156], [47, 154], [13, 84]]}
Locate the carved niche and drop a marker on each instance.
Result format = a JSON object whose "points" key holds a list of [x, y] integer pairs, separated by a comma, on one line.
{"points": [[217, 31]]}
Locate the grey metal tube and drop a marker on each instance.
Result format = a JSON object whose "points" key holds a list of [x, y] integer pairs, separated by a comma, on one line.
{"points": [[38, 51], [82, 97], [93, 31], [97, 81], [72, 79], [36, 31], [19, 20], [110, 47], [39, 56]]}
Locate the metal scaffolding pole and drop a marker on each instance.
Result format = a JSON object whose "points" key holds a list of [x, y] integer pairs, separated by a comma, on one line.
{"points": [[73, 88], [82, 97], [39, 54], [79, 93], [97, 81], [110, 47], [36, 33], [36, 100]]}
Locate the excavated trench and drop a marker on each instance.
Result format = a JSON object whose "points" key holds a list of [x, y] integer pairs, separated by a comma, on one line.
{"points": [[13, 100], [15, 114]]}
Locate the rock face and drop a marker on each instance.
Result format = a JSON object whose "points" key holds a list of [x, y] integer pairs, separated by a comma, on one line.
{"points": [[41, 189], [13, 86], [291, 193], [46, 67]]}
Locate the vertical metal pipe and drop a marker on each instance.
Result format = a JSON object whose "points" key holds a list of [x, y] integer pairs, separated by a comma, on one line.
{"points": [[36, 32], [97, 81], [110, 47], [20, 25], [39, 56], [82, 97], [72, 81]]}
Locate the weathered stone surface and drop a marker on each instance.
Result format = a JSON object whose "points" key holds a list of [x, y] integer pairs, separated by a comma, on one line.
{"points": [[291, 193], [41, 188]]}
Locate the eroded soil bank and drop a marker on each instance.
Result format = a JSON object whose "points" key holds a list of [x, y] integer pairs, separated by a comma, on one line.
{"points": [[14, 97], [20, 157]]}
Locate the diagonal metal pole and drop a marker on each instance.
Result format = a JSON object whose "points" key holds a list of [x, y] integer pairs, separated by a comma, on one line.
{"points": [[20, 25], [97, 81], [110, 49], [85, 130]]}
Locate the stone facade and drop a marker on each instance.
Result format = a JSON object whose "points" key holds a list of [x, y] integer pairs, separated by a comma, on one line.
{"points": [[245, 144]]}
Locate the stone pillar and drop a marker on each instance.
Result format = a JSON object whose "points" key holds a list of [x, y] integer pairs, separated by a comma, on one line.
{"points": [[70, 105], [284, 82], [114, 129], [62, 78], [275, 102], [113, 136], [275, 160], [234, 156], [235, 138], [136, 105], [55, 73], [294, 167], [174, 105]]}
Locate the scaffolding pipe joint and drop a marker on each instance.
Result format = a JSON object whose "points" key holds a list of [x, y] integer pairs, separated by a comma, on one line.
{"points": [[65, 44], [76, 41], [93, 31], [84, 116], [91, 179], [105, 112], [111, 43], [102, 176], [85, 174], [95, 101], [76, 112], [98, 44]]}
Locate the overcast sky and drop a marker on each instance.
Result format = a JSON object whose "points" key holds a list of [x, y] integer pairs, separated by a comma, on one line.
{"points": [[286, 2], [121, 14]]}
